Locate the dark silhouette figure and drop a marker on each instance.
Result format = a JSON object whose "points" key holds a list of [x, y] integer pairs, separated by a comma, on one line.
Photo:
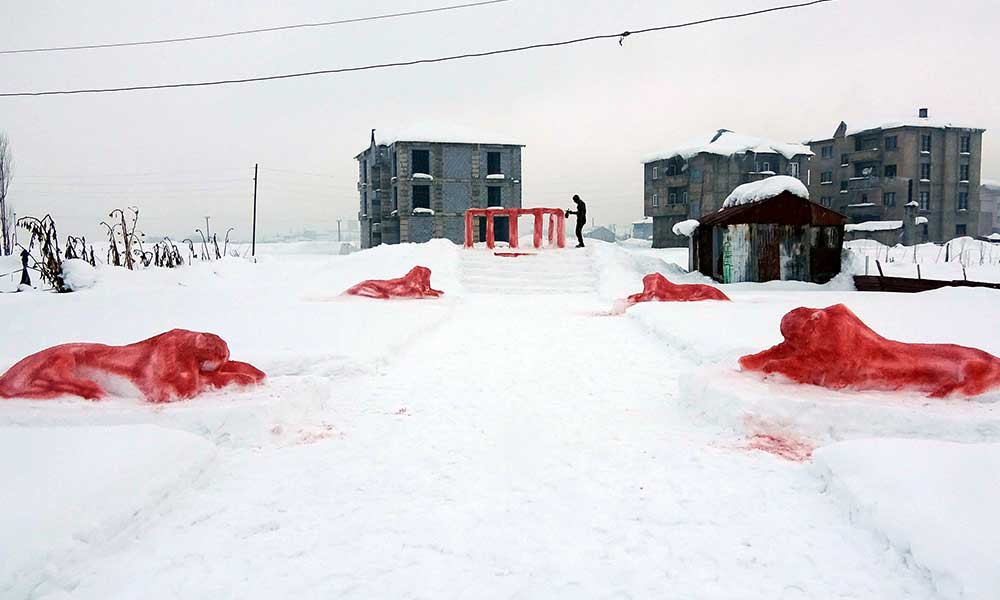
{"points": [[581, 218], [25, 278]]}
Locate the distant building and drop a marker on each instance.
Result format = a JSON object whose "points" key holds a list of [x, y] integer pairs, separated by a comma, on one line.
{"points": [[600, 233], [770, 232], [643, 230], [989, 210], [417, 188], [688, 182], [869, 173]]}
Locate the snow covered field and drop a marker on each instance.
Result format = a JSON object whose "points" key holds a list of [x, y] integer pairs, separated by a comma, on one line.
{"points": [[510, 440]]}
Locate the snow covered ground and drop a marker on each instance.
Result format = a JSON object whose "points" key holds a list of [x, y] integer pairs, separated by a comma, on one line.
{"points": [[508, 440]]}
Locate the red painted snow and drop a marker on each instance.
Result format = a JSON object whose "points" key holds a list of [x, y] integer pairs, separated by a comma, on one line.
{"points": [[171, 366], [781, 445], [415, 284], [833, 348], [657, 288], [513, 254]]}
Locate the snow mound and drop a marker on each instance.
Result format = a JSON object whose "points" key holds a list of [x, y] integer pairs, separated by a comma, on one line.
{"points": [[68, 489], [728, 143], [756, 191], [874, 226], [933, 501], [78, 274], [686, 228]]}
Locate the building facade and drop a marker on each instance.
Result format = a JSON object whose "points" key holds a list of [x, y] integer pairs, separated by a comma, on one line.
{"points": [[687, 183], [989, 198], [872, 172], [413, 191]]}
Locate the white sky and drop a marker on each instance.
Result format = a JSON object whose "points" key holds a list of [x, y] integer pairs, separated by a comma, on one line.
{"points": [[586, 113]]}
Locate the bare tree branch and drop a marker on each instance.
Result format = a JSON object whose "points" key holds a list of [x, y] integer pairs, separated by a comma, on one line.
{"points": [[6, 210]]}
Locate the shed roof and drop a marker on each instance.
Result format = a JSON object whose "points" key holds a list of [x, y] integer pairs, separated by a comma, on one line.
{"points": [[784, 209]]}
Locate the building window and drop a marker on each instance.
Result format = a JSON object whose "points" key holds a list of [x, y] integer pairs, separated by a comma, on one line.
{"points": [[826, 201], [671, 168], [827, 152], [656, 200], [793, 168], [844, 161], [395, 198], [395, 170], [890, 171], [925, 142], [826, 177], [963, 172], [672, 198], [493, 196], [421, 161], [890, 142], [889, 199], [656, 172], [364, 171], [493, 163], [843, 186], [421, 195], [963, 201], [960, 230], [925, 171], [364, 202], [963, 144], [925, 200], [765, 167]]}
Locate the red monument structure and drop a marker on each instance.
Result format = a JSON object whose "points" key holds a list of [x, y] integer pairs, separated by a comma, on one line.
{"points": [[557, 224]]}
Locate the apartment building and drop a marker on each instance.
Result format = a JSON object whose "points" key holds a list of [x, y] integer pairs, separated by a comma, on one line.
{"points": [[989, 198], [418, 187], [688, 182], [871, 172]]}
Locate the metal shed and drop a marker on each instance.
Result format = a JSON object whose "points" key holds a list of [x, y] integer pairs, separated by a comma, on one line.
{"points": [[781, 238]]}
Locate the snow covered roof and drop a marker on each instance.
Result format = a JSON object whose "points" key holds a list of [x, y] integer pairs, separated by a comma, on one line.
{"points": [[645, 221], [727, 143], [863, 125], [445, 133], [874, 226], [755, 191], [993, 236], [991, 184]]}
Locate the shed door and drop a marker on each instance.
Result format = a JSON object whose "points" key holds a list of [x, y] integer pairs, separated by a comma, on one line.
{"points": [[768, 252]]}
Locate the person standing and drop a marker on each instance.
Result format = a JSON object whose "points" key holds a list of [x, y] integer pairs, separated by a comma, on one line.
{"points": [[581, 218]]}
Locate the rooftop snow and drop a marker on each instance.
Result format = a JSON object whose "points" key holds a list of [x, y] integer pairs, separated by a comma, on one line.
{"points": [[894, 123], [728, 143], [755, 191], [443, 134], [874, 226], [991, 184]]}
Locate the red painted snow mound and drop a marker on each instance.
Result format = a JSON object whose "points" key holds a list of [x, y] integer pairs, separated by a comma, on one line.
{"points": [[784, 446], [174, 365], [415, 284], [833, 348], [657, 288]]}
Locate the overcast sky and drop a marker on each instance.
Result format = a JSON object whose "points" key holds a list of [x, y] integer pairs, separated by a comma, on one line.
{"points": [[587, 114]]}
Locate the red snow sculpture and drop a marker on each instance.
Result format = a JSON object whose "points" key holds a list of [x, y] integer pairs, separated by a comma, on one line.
{"points": [[833, 348], [657, 288], [173, 365], [415, 284]]}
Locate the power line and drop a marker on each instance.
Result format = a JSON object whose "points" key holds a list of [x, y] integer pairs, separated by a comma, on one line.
{"points": [[195, 38], [619, 36]]}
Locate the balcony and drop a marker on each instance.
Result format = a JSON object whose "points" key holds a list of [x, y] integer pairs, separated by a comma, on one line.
{"points": [[873, 154], [864, 183]]}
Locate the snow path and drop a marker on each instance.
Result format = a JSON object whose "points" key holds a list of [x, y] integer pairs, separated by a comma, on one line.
{"points": [[524, 448]]}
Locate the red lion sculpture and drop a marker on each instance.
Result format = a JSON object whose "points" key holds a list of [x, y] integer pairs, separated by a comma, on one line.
{"points": [[833, 348], [173, 365], [657, 288], [415, 284]]}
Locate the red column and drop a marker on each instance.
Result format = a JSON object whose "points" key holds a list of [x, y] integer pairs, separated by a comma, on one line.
{"points": [[490, 242], [512, 215], [561, 229], [468, 229], [538, 227], [552, 228]]}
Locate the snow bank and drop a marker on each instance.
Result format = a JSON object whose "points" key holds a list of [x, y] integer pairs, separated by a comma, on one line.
{"points": [[874, 226], [78, 274], [756, 191], [935, 502], [68, 490], [728, 143], [960, 258], [686, 228]]}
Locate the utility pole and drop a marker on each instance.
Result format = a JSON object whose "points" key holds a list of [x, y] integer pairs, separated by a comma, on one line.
{"points": [[208, 232], [253, 230]]}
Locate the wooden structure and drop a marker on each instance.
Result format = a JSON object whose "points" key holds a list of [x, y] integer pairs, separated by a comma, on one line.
{"points": [[909, 285], [557, 224], [784, 237]]}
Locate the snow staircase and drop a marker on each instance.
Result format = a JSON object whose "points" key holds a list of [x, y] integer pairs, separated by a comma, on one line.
{"points": [[568, 271]]}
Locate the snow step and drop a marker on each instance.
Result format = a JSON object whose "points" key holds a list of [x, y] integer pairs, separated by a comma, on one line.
{"points": [[551, 272]]}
